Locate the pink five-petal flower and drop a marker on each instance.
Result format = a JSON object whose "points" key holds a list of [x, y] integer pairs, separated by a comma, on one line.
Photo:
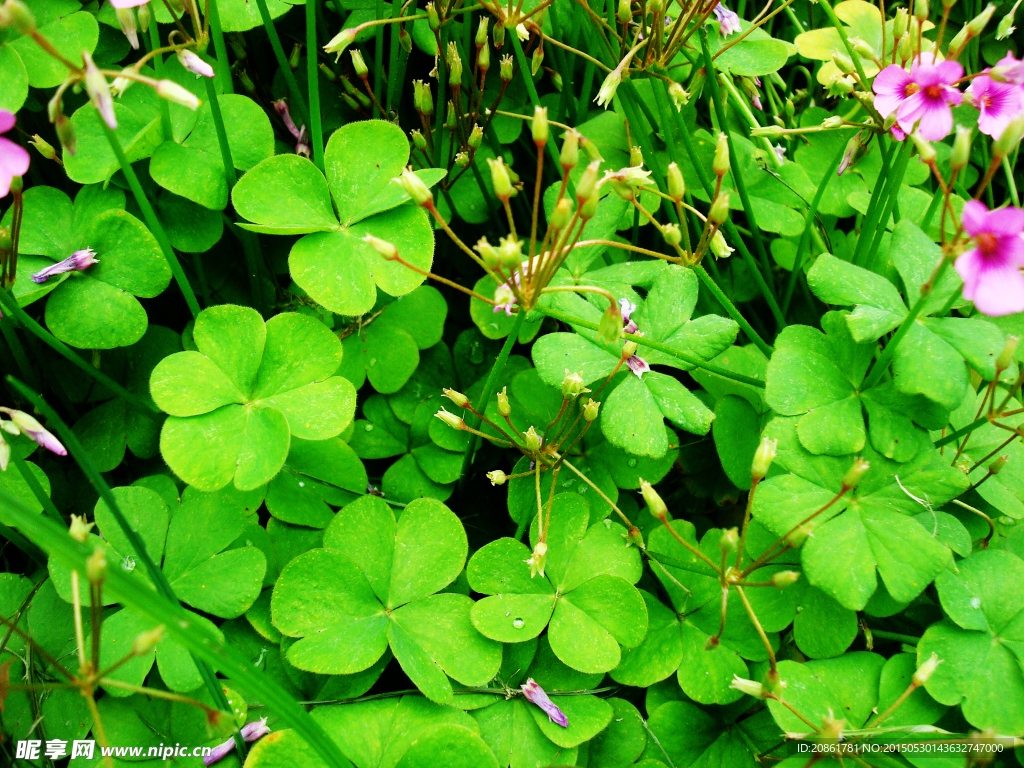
{"points": [[13, 158], [128, 3], [997, 103], [928, 106], [257, 729], [992, 271], [892, 87], [535, 694]]}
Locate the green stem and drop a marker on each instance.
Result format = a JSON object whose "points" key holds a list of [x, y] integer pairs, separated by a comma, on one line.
{"points": [[179, 623], [156, 576], [282, 60], [895, 179], [220, 48], [873, 219], [158, 67], [748, 115], [378, 56], [731, 309], [37, 490], [489, 386], [23, 544], [10, 305], [741, 187], [10, 335], [313, 81], [251, 260], [531, 88], [953, 436], [908, 639], [150, 216], [798, 259], [642, 341]]}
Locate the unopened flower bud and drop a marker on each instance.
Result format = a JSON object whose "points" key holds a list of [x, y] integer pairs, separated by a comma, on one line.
{"points": [[590, 410], [536, 60], [961, 152], [763, 458], [796, 538], [96, 566], [636, 157], [476, 137], [862, 48], [843, 62], [634, 536], [191, 61], [925, 150], [719, 209], [171, 91], [729, 541], [570, 150], [15, 13], [562, 214], [43, 147], [432, 18], [99, 91], [905, 49], [676, 184], [341, 41], [483, 59], [833, 121], [900, 23], [383, 247], [1006, 356], [719, 247], [414, 187], [977, 25], [419, 141], [856, 473], [749, 687], [505, 69], [540, 126], [996, 466], [532, 439], [587, 186], [461, 159], [510, 253], [654, 502], [497, 477], [454, 66], [720, 165], [498, 36], [784, 579], [500, 178], [623, 12], [453, 421], [481, 32], [1005, 27], [1009, 138], [926, 670], [147, 641], [679, 96], [458, 398], [572, 385], [79, 528], [538, 559], [672, 234], [629, 349], [488, 253], [921, 10], [960, 39], [503, 405]]}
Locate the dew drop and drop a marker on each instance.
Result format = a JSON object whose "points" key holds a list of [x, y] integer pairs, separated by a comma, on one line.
{"points": [[373, 361], [302, 485], [368, 427], [631, 462], [581, 489], [128, 564], [607, 523], [518, 623]]}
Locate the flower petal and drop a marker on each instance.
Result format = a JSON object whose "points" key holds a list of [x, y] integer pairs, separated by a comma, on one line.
{"points": [[936, 122], [974, 217], [14, 159], [7, 120]]}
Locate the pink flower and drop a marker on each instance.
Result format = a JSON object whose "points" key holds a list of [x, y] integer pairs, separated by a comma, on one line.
{"points": [[128, 3], [22, 422], [13, 158], [76, 262], [190, 61], [257, 729], [638, 365], [992, 271], [922, 96], [1009, 69], [729, 20], [536, 695], [628, 308], [997, 103]]}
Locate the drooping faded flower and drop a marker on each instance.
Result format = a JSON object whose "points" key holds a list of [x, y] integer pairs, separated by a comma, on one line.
{"points": [[23, 423], [997, 103], [920, 97], [99, 91], [191, 61], [628, 308], [729, 20], [991, 271], [536, 695], [13, 158], [76, 262], [301, 143], [251, 732], [638, 365]]}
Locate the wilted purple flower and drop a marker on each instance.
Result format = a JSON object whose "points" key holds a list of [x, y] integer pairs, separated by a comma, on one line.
{"points": [[729, 20], [301, 143], [22, 422], [628, 308], [76, 262], [535, 694], [992, 271], [99, 91], [190, 61], [13, 158], [257, 729], [638, 365]]}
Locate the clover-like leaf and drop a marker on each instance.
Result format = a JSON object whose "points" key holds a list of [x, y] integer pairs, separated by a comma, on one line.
{"points": [[586, 594], [236, 402], [288, 195], [375, 585], [97, 308], [981, 642]]}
